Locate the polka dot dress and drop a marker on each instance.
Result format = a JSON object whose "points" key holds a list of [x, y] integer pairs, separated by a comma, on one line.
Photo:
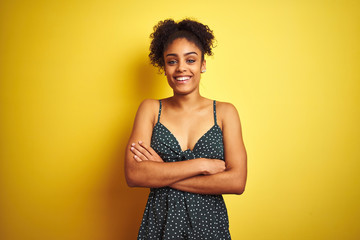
{"points": [[175, 214]]}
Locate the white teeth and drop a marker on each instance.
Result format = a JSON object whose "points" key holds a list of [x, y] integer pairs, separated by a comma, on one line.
{"points": [[182, 78]]}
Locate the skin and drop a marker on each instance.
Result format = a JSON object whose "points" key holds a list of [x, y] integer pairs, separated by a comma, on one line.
{"points": [[188, 116]]}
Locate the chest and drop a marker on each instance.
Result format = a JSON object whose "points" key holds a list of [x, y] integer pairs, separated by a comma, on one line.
{"points": [[209, 145], [188, 127]]}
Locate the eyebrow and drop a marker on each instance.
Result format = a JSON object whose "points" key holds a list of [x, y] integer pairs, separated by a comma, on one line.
{"points": [[173, 54]]}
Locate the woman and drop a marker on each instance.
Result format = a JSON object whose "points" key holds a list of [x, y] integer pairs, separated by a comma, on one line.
{"points": [[186, 148]]}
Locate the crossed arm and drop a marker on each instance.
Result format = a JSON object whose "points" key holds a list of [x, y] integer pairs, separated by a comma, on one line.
{"points": [[144, 167]]}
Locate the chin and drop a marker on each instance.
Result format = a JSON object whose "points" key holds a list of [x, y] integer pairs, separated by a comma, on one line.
{"points": [[184, 91]]}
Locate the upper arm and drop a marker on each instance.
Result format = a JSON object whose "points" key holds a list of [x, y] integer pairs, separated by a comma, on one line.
{"points": [[144, 121], [234, 148], [142, 130]]}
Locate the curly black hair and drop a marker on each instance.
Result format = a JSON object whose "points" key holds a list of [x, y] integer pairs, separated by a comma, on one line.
{"points": [[165, 32]]}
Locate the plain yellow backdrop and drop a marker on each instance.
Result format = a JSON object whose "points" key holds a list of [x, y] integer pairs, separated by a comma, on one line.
{"points": [[72, 74]]}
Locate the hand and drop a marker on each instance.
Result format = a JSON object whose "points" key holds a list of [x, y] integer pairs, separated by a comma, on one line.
{"points": [[213, 166], [142, 152]]}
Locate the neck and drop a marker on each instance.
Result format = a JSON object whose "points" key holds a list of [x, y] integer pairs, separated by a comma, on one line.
{"points": [[186, 101]]}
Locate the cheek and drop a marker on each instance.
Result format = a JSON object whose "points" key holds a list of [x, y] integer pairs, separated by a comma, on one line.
{"points": [[169, 80], [168, 69], [196, 70]]}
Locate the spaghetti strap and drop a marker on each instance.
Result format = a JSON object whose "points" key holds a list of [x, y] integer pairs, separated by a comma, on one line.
{"points": [[215, 112], [159, 111]]}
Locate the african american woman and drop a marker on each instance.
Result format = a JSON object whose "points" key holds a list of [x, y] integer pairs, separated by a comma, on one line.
{"points": [[187, 149]]}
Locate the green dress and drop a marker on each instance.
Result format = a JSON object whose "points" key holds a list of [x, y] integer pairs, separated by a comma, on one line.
{"points": [[175, 214]]}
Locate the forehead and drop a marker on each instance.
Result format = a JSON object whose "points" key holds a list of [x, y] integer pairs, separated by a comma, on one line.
{"points": [[181, 46]]}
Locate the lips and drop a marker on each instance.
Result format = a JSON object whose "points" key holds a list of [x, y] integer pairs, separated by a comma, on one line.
{"points": [[182, 78]]}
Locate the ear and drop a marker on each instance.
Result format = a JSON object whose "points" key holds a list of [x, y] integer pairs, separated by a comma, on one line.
{"points": [[203, 66]]}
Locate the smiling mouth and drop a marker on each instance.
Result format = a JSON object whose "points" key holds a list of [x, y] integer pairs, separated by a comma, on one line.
{"points": [[182, 79]]}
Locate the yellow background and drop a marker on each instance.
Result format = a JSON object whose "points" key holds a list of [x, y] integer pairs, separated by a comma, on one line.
{"points": [[74, 72]]}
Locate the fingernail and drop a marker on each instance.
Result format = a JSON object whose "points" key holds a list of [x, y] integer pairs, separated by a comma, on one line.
{"points": [[133, 144], [132, 148], [140, 142]]}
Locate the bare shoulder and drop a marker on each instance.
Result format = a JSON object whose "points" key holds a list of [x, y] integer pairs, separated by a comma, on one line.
{"points": [[149, 103], [148, 109], [229, 121], [226, 110], [225, 106]]}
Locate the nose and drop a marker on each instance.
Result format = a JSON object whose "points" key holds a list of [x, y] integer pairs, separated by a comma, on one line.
{"points": [[181, 66]]}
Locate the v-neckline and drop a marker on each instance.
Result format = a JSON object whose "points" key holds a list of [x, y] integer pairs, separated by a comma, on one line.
{"points": [[178, 143]]}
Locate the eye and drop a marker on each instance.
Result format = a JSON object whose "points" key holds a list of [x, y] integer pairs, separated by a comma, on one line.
{"points": [[191, 60], [172, 62]]}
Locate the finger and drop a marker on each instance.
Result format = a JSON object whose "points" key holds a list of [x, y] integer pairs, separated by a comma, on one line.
{"points": [[146, 150], [137, 158], [155, 156], [133, 151], [138, 153]]}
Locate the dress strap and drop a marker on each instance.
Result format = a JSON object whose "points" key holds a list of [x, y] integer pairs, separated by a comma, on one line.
{"points": [[159, 111], [215, 112]]}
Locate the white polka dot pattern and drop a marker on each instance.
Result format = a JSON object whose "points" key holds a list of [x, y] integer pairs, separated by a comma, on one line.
{"points": [[175, 214]]}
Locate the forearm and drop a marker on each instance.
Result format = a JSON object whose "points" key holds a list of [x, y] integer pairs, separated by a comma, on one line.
{"points": [[159, 174], [228, 182]]}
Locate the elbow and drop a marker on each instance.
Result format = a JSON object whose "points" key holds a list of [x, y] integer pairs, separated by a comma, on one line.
{"points": [[239, 184], [132, 180], [133, 177], [136, 177], [239, 190], [137, 180], [131, 183]]}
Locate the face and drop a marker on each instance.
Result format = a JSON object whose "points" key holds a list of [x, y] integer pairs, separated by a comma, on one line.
{"points": [[183, 66]]}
